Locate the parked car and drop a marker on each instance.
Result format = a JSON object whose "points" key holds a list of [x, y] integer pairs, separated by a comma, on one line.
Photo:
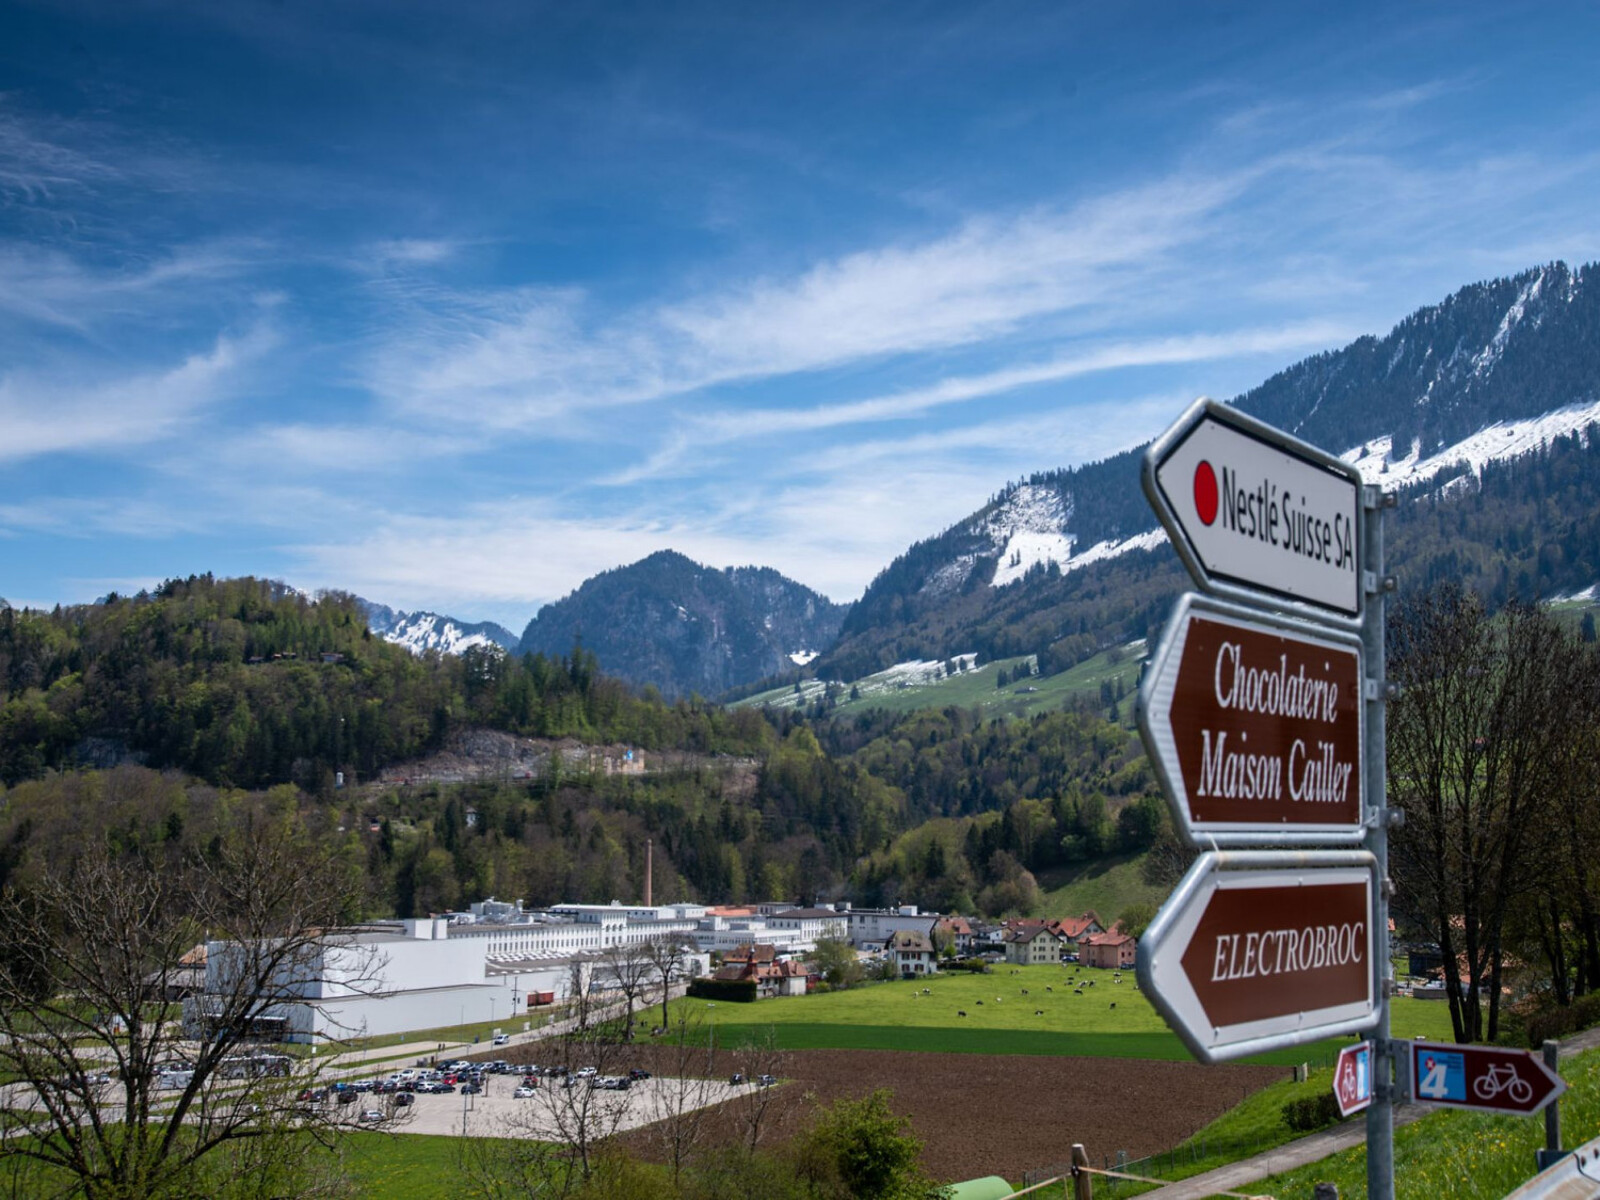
{"points": [[502, 1039], [736, 1079], [523, 1091], [638, 1073], [765, 1081], [403, 1099], [587, 1072], [346, 1096], [370, 1116], [471, 1089]]}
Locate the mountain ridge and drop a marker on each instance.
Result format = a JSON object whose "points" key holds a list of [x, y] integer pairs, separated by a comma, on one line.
{"points": [[677, 625], [1499, 354]]}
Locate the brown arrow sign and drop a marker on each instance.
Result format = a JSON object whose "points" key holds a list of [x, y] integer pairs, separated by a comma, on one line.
{"points": [[1254, 722], [1259, 950], [1485, 1078]]}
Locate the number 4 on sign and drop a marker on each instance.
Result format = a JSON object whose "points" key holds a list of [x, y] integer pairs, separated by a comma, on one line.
{"points": [[1435, 1083]]}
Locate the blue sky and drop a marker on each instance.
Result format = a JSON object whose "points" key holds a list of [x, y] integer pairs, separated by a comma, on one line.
{"points": [[453, 305]]}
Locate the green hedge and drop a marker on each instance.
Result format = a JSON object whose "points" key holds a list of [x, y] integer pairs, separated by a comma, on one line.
{"points": [[735, 991], [1311, 1112], [1558, 1022]]}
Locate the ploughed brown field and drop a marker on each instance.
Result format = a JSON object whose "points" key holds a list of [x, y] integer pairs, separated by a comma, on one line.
{"points": [[1006, 1114]]}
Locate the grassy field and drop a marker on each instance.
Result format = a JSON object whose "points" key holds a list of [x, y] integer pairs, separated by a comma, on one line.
{"points": [[404, 1166], [1109, 886], [1461, 1155], [897, 1016], [901, 691]]}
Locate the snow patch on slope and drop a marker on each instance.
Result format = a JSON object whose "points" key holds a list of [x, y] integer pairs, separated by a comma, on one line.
{"points": [[801, 657], [1378, 463], [1029, 530], [420, 632]]}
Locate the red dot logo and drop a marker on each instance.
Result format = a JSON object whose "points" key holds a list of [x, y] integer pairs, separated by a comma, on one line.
{"points": [[1205, 492]]}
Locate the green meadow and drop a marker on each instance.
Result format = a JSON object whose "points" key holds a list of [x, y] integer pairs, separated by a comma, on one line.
{"points": [[1108, 1019]]}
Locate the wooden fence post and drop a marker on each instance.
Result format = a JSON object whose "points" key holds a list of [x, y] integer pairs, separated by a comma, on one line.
{"points": [[1082, 1181]]}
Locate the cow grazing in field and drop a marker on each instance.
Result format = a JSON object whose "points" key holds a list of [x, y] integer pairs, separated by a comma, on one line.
{"points": [[1038, 1012], [980, 1003], [961, 1012], [1048, 988], [1024, 991], [1113, 1004]]}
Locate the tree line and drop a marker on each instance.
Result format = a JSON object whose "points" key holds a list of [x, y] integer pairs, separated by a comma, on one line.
{"points": [[1492, 756]]}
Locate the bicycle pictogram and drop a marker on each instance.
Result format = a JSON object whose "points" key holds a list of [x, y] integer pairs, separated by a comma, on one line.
{"points": [[1502, 1077]]}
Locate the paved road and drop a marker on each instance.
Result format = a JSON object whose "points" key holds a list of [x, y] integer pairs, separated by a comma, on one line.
{"points": [[1237, 1177]]}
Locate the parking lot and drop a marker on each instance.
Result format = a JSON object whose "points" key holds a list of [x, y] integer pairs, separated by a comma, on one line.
{"points": [[496, 1112]]}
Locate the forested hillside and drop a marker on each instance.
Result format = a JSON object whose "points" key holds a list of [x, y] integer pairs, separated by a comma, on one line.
{"points": [[241, 699], [684, 628], [245, 683]]}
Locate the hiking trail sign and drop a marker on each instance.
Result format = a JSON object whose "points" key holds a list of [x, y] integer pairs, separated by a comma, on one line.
{"points": [[1258, 950], [1257, 515], [1482, 1078], [1352, 1079], [1255, 725]]}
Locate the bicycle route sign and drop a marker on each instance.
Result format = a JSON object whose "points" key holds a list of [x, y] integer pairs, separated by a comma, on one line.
{"points": [[1482, 1078], [1241, 960], [1255, 725], [1256, 514], [1352, 1079]]}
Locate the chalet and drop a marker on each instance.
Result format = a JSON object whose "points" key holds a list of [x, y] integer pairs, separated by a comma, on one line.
{"points": [[1115, 950], [912, 952]]}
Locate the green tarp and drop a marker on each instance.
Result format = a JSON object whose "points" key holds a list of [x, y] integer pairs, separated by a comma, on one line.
{"points": [[990, 1187]]}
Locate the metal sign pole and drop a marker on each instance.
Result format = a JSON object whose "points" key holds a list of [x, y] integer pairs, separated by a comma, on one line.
{"points": [[1380, 1116]]}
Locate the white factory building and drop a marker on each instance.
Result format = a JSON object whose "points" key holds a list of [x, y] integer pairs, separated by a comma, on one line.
{"points": [[488, 964]]}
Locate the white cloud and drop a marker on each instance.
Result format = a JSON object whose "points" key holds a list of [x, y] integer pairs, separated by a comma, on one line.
{"points": [[42, 415], [525, 356]]}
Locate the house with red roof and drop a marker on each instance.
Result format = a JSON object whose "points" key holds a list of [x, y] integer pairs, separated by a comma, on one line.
{"points": [[1113, 950]]}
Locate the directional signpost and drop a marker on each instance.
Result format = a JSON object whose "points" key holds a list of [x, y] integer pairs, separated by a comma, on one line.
{"points": [[1260, 950], [1254, 723], [1258, 515], [1352, 1079], [1265, 719], [1482, 1078]]}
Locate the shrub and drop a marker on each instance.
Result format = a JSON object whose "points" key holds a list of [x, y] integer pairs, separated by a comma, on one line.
{"points": [[1311, 1112], [735, 991], [976, 965], [1556, 1022]]}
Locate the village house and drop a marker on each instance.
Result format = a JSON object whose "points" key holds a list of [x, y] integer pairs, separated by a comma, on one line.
{"points": [[1031, 944], [1108, 950], [958, 931], [1075, 930], [760, 964], [912, 953]]}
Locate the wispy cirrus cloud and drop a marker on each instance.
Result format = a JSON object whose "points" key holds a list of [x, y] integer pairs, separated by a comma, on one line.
{"points": [[527, 356], [46, 415]]}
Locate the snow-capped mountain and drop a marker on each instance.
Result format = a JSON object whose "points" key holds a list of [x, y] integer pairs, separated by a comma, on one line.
{"points": [[422, 631], [1498, 371]]}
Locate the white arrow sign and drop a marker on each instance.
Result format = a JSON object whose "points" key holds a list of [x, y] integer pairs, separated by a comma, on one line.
{"points": [[1258, 950], [1252, 510]]}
